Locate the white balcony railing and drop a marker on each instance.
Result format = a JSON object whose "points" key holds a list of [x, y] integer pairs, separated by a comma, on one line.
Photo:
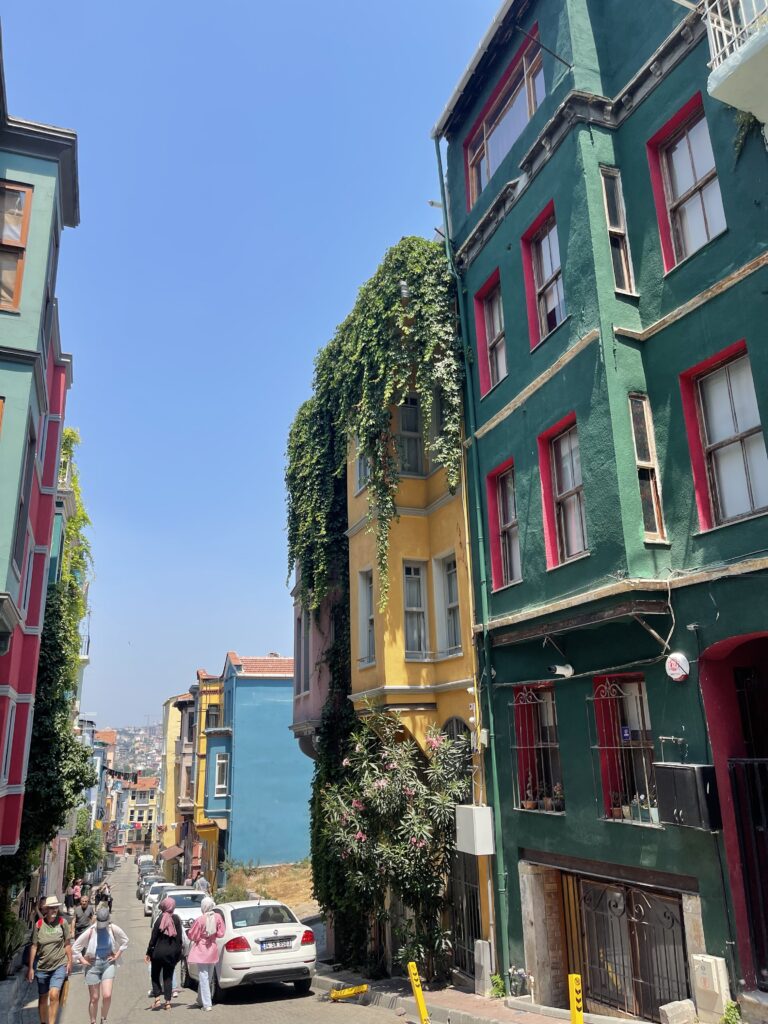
{"points": [[731, 24]]}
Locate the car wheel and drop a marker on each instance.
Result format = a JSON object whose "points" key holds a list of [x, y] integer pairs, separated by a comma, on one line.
{"points": [[302, 987]]}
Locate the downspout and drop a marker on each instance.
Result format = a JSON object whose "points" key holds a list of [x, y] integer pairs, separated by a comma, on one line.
{"points": [[502, 918]]}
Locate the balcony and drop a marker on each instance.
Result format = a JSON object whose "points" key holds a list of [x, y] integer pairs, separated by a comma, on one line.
{"points": [[738, 46]]}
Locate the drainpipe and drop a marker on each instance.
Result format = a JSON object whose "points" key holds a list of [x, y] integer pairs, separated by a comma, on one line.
{"points": [[477, 512]]}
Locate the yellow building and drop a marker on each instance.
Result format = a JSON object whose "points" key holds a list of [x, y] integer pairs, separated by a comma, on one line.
{"points": [[168, 819], [208, 694], [416, 655]]}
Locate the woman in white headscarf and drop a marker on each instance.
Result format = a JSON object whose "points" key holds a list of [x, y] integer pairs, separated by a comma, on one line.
{"points": [[204, 950], [99, 948]]}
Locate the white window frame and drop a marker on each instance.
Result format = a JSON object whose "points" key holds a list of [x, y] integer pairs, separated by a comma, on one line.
{"points": [[495, 341], [523, 76], [709, 449], [560, 497], [362, 468], [544, 284], [411, 402], [444, 607], [367, 621], [647, 465], [409, 567], [221, 788], [617, 233], [508, 530], [8, 747]]}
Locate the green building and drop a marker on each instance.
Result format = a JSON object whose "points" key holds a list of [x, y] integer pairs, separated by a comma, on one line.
{"points": [[608, 221]]}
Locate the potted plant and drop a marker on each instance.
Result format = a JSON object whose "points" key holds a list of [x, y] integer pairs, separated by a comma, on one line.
{"points": [[653, 806], [616, 807], [558, 797], [530, 802], [545, 800], [518, 978]]}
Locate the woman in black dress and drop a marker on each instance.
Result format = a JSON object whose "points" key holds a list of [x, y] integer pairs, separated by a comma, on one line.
{"points": [[164, 952]]}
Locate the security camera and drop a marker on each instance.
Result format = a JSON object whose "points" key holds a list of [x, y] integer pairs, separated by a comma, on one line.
{"points": [[566, 671]]}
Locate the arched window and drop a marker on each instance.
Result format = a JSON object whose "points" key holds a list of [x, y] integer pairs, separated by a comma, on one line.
{"points": [[456, 728]]}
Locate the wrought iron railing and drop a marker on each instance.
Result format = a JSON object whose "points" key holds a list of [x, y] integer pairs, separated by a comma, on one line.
{"points": [[730, 24]]}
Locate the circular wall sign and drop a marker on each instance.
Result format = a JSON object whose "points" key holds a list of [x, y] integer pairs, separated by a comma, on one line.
{"points": [[677, 667]]}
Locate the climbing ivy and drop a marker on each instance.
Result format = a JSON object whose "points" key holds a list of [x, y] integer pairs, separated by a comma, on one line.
{"points": [[399, 339]]}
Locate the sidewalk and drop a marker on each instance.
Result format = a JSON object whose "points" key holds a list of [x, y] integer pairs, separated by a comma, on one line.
{"points": [[445, 1005]]}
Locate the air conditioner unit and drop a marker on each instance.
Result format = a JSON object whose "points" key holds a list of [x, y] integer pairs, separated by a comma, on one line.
{"points": [[474, 830]]}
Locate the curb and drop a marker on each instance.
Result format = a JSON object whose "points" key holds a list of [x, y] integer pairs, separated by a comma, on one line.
{"points": [[523, 1003]]}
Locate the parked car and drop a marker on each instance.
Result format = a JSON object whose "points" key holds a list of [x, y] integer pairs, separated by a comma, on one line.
{"points": [[155, 892], [263, 941], [145, 882], [187, 904]]}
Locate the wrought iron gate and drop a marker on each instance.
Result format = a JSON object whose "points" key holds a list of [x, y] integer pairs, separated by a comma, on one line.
{"points": [[749, 782], [465, 911], [627, 943]]}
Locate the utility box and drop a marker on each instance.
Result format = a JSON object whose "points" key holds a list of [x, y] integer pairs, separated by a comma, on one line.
{"points": [[711, 988], [474, 830], [687, 795]]}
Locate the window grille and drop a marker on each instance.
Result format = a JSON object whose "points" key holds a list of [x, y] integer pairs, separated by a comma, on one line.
{"points": [[622, 750], [537, 777]]}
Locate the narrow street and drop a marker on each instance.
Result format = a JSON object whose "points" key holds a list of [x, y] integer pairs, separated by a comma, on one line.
{"points": [[272, 1004]]}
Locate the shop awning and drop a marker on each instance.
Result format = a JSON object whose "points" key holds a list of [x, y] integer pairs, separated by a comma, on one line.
{"points": [[171, 852]]}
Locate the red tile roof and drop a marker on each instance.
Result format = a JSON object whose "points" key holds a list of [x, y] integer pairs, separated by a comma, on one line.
{"points": [[183, 698], [272, 666], [108, 736], [145, 782]]}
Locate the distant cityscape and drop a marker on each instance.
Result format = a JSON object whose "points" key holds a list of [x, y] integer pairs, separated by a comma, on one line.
{"points": [[138, 748]]}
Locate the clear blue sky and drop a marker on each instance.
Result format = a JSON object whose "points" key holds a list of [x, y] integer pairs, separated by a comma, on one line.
{"points": [[243, 168]]}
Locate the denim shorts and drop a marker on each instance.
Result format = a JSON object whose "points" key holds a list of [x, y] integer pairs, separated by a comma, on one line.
{"points": [[47, 980], [100, 970]]}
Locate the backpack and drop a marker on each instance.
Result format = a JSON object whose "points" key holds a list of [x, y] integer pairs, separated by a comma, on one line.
{"points": [[28, 948]]}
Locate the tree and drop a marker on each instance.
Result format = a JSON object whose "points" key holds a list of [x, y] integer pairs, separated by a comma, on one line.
{"points": [[86, 847], [391, 820]]}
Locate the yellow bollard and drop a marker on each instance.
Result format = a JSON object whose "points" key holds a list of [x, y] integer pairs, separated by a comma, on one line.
{"points": [[418, 995], [347, 993], [576, 999]]}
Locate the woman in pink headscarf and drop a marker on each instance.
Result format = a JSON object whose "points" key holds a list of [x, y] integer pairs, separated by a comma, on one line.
{"points": [[204, 950], [164, 952]]}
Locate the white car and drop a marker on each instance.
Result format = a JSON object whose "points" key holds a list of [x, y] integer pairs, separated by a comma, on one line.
{"points": [[263, 941], [187, 904], [156, 892]]}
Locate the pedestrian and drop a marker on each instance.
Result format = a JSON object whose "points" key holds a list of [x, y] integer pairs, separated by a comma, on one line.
{"points": [[69, 897], [50, 958], [100, 947], [204, 952], [202, 883], [164, 952], [84, 915], [77, 889]]}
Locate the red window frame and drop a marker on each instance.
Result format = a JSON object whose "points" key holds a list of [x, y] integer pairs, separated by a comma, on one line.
{"points": [[510, 70], [693, 428], [481, 331], [655, 150], [529, 275], [548, 510], [494, 532]]}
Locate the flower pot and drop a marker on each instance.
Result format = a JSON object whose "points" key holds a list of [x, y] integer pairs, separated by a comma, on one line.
{"points": [[654, 815], [617, 812], [548, 803], [626, 811], [530, 805], [558, 804]]}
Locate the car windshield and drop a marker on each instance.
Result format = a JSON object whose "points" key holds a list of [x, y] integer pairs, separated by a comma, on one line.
{"points": [[157, 887], [152, 880], [186, 900], [249, 917]]}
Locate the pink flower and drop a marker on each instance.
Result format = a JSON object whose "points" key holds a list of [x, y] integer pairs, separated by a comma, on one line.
{"points": [[434, 742], [360, 837], [391, 766], [345, 763], [414, 841], [409, 792], [380, 784], [358, 805]]}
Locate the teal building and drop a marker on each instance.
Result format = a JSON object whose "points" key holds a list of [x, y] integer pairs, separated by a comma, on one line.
{"points": [[607, 219]]}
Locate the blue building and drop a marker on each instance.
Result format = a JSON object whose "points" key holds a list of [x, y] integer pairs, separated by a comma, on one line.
{"points": [[257, 784]]}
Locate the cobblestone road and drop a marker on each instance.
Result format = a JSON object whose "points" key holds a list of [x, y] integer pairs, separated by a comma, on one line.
{"points": [[271, 1004]]}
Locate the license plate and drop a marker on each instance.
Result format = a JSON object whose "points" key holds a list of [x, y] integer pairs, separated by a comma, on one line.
{"points": [[276, 944]]}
